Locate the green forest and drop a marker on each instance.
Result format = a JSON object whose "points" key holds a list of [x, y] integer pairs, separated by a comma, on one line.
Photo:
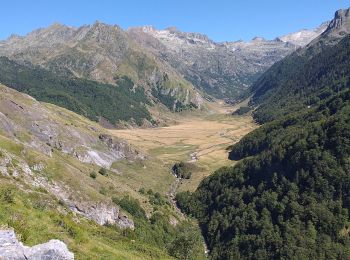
{"points": [[302, 79], [289, 195], [86, 97]]}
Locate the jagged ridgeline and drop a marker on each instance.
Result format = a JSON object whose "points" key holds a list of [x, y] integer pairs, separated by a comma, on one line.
{"points": [[86, 97], [289, 196]]}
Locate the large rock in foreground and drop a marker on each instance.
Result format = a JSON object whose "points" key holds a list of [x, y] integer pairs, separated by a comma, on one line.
{"points": [[12, 249]]}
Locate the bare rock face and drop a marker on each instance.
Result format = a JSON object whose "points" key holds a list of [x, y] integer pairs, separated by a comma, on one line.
{"points": [[337, 29], [220, 69], [340, 25], [304, 37], [12, 249], [103, 214]]}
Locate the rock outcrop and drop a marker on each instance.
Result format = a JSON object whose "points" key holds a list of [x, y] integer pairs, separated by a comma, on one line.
{"points": [[12, 249], [340, 25], [102, 214]]}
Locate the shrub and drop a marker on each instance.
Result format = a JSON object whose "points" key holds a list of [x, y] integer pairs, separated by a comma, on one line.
{"points": [[183, 170], [103, 191], [187, 243], [103, 171], [93, 175], [157, 199], [131, 205], [8, 195]]}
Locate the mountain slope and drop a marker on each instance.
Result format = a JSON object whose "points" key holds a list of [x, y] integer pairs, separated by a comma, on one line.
{"points": [[306, 76], [224, 70], [61, 176], [92, 99], [99, 52], [289, 196]]}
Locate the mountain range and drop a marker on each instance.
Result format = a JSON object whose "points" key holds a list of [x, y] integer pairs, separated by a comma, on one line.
{"points": [[65, 175], [176, 69]]}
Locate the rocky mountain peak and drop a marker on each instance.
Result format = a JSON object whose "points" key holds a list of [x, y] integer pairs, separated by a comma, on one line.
{"points": [[54, 30], [336, 29], [148, 28], [172, 29], [304, 36], [258, 39], [341, 23]]}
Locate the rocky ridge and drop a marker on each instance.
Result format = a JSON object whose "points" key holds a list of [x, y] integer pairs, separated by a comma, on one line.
{"points": [[304, 37]]}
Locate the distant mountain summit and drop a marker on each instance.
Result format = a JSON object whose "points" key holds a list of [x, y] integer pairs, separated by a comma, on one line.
{"points": [[340, 25], [304, 37], [223, 70]]}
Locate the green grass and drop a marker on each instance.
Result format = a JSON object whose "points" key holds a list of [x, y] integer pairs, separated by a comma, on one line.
{"points": [[35, 219], [179, 151], [37, 216], [10, 146], [150, 174]]}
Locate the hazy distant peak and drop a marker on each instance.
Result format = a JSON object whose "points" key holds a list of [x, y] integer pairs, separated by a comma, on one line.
{"points": [[304, 36], [258, 39], [341, 23], [172, 29], [336, 29]]}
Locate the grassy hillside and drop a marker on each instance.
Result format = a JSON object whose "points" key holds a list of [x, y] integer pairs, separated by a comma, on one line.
{"points": [[40, 188]]}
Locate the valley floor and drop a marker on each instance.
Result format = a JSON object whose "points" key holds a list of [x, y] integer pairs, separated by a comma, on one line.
{"points": [[201, 139]]}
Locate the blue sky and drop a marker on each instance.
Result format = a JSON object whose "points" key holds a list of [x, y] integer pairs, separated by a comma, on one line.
{"points": [[221, 20]]}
